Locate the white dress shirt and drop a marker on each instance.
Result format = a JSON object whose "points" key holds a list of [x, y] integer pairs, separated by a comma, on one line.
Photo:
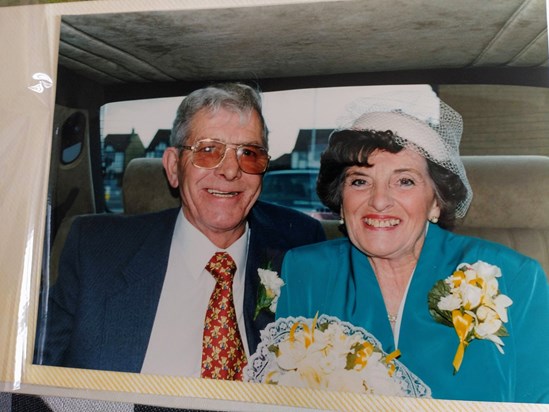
{"points": [[175, 346]]}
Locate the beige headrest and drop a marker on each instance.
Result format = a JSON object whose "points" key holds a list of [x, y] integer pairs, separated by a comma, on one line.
{"points": [[146, 188], [508, 191]]}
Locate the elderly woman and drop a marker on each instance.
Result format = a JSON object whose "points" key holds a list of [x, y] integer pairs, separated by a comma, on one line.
{"points": [[468, 316]]}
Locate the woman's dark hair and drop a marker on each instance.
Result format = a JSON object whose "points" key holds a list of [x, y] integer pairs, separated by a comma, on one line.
{"points": [[353, 148]]}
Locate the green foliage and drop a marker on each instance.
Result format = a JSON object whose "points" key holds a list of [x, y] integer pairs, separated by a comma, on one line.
{"points": [[274, 349], [263, 301], [439, 290]]}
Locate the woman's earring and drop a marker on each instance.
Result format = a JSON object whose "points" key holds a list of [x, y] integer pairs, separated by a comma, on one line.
{"points": [[433, 219], [341, 220]]}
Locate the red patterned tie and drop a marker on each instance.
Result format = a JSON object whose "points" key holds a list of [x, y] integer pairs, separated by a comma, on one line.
{"points": [[223, 355]]}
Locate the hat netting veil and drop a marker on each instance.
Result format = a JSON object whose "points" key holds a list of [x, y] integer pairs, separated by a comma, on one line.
{"points": [[436, 138]]}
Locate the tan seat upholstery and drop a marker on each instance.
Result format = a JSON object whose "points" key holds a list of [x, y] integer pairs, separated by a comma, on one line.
{"points": [[510, 203], [145, 187]]}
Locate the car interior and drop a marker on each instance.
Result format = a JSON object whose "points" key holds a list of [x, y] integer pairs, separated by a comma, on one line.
{"points": [[488, 72], [488, 60]]}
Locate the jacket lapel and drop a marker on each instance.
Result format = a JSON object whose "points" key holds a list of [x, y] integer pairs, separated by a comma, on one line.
{"points": [[261, 253], [134, 296]]}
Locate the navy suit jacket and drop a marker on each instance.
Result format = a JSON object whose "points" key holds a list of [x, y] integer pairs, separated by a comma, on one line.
{"points": [[102, 308]]}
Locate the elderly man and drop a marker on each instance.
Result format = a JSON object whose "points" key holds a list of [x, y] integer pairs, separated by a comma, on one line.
{"points": [[176, 292]]}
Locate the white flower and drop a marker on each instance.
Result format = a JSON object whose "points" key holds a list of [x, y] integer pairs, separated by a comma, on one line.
{"points": [[499, 343], [502, 302], [273, 283], [491, 287], [470, 295], [270, 280], [290, 354], [345, 380], [449, 302], [486, 270], [337, 339], [376, 371], [311, 376], [470, 273], [268, 291], [489, 322]]}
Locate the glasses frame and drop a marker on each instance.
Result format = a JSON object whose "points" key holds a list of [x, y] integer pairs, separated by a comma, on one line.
{"points": [[236, 147]]}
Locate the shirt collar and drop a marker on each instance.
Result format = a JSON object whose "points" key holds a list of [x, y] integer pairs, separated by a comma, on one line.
{"points": [[199, 249]]}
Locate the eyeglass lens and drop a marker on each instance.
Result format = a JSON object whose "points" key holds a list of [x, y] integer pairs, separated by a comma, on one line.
{"points": [[209, 154]]}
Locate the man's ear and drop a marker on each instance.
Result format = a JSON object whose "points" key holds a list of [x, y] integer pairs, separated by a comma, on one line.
{"points": [[170, 161]]}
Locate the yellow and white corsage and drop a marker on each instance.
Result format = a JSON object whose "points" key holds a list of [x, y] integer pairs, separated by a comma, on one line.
{"points": [[470, 301]]}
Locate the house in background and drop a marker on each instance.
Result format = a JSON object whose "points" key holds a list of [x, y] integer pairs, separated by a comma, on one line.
{"points": [[118, 151], [309, 145], [159, 143]]}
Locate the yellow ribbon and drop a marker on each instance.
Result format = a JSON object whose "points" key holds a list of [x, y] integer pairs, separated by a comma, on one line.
{"points": [[393, 355], [309, 333], [462, 324], [389, 359]]}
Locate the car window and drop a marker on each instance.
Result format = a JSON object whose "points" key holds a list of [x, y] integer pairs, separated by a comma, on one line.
{"points": [[300, 122], [293, 189]]}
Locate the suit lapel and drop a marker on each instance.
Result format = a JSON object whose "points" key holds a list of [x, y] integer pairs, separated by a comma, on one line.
{"points": [[138, 291], [266, 250], [258, 257]]}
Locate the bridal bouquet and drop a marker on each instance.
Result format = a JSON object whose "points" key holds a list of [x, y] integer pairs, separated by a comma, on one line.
{"points": [[326, 353]]}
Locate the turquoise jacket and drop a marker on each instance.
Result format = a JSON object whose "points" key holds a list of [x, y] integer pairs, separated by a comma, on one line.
{"points": [[335, 278]]}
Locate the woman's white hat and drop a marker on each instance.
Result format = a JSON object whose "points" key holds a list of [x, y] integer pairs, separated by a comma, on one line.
{"points": [[436, 138]]}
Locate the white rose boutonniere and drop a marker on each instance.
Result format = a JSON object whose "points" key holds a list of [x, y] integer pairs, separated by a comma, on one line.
{"points": [[269, 291], [470, 301]]}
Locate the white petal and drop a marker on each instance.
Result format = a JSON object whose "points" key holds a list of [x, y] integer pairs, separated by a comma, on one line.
{"points": [[499, 343]]}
